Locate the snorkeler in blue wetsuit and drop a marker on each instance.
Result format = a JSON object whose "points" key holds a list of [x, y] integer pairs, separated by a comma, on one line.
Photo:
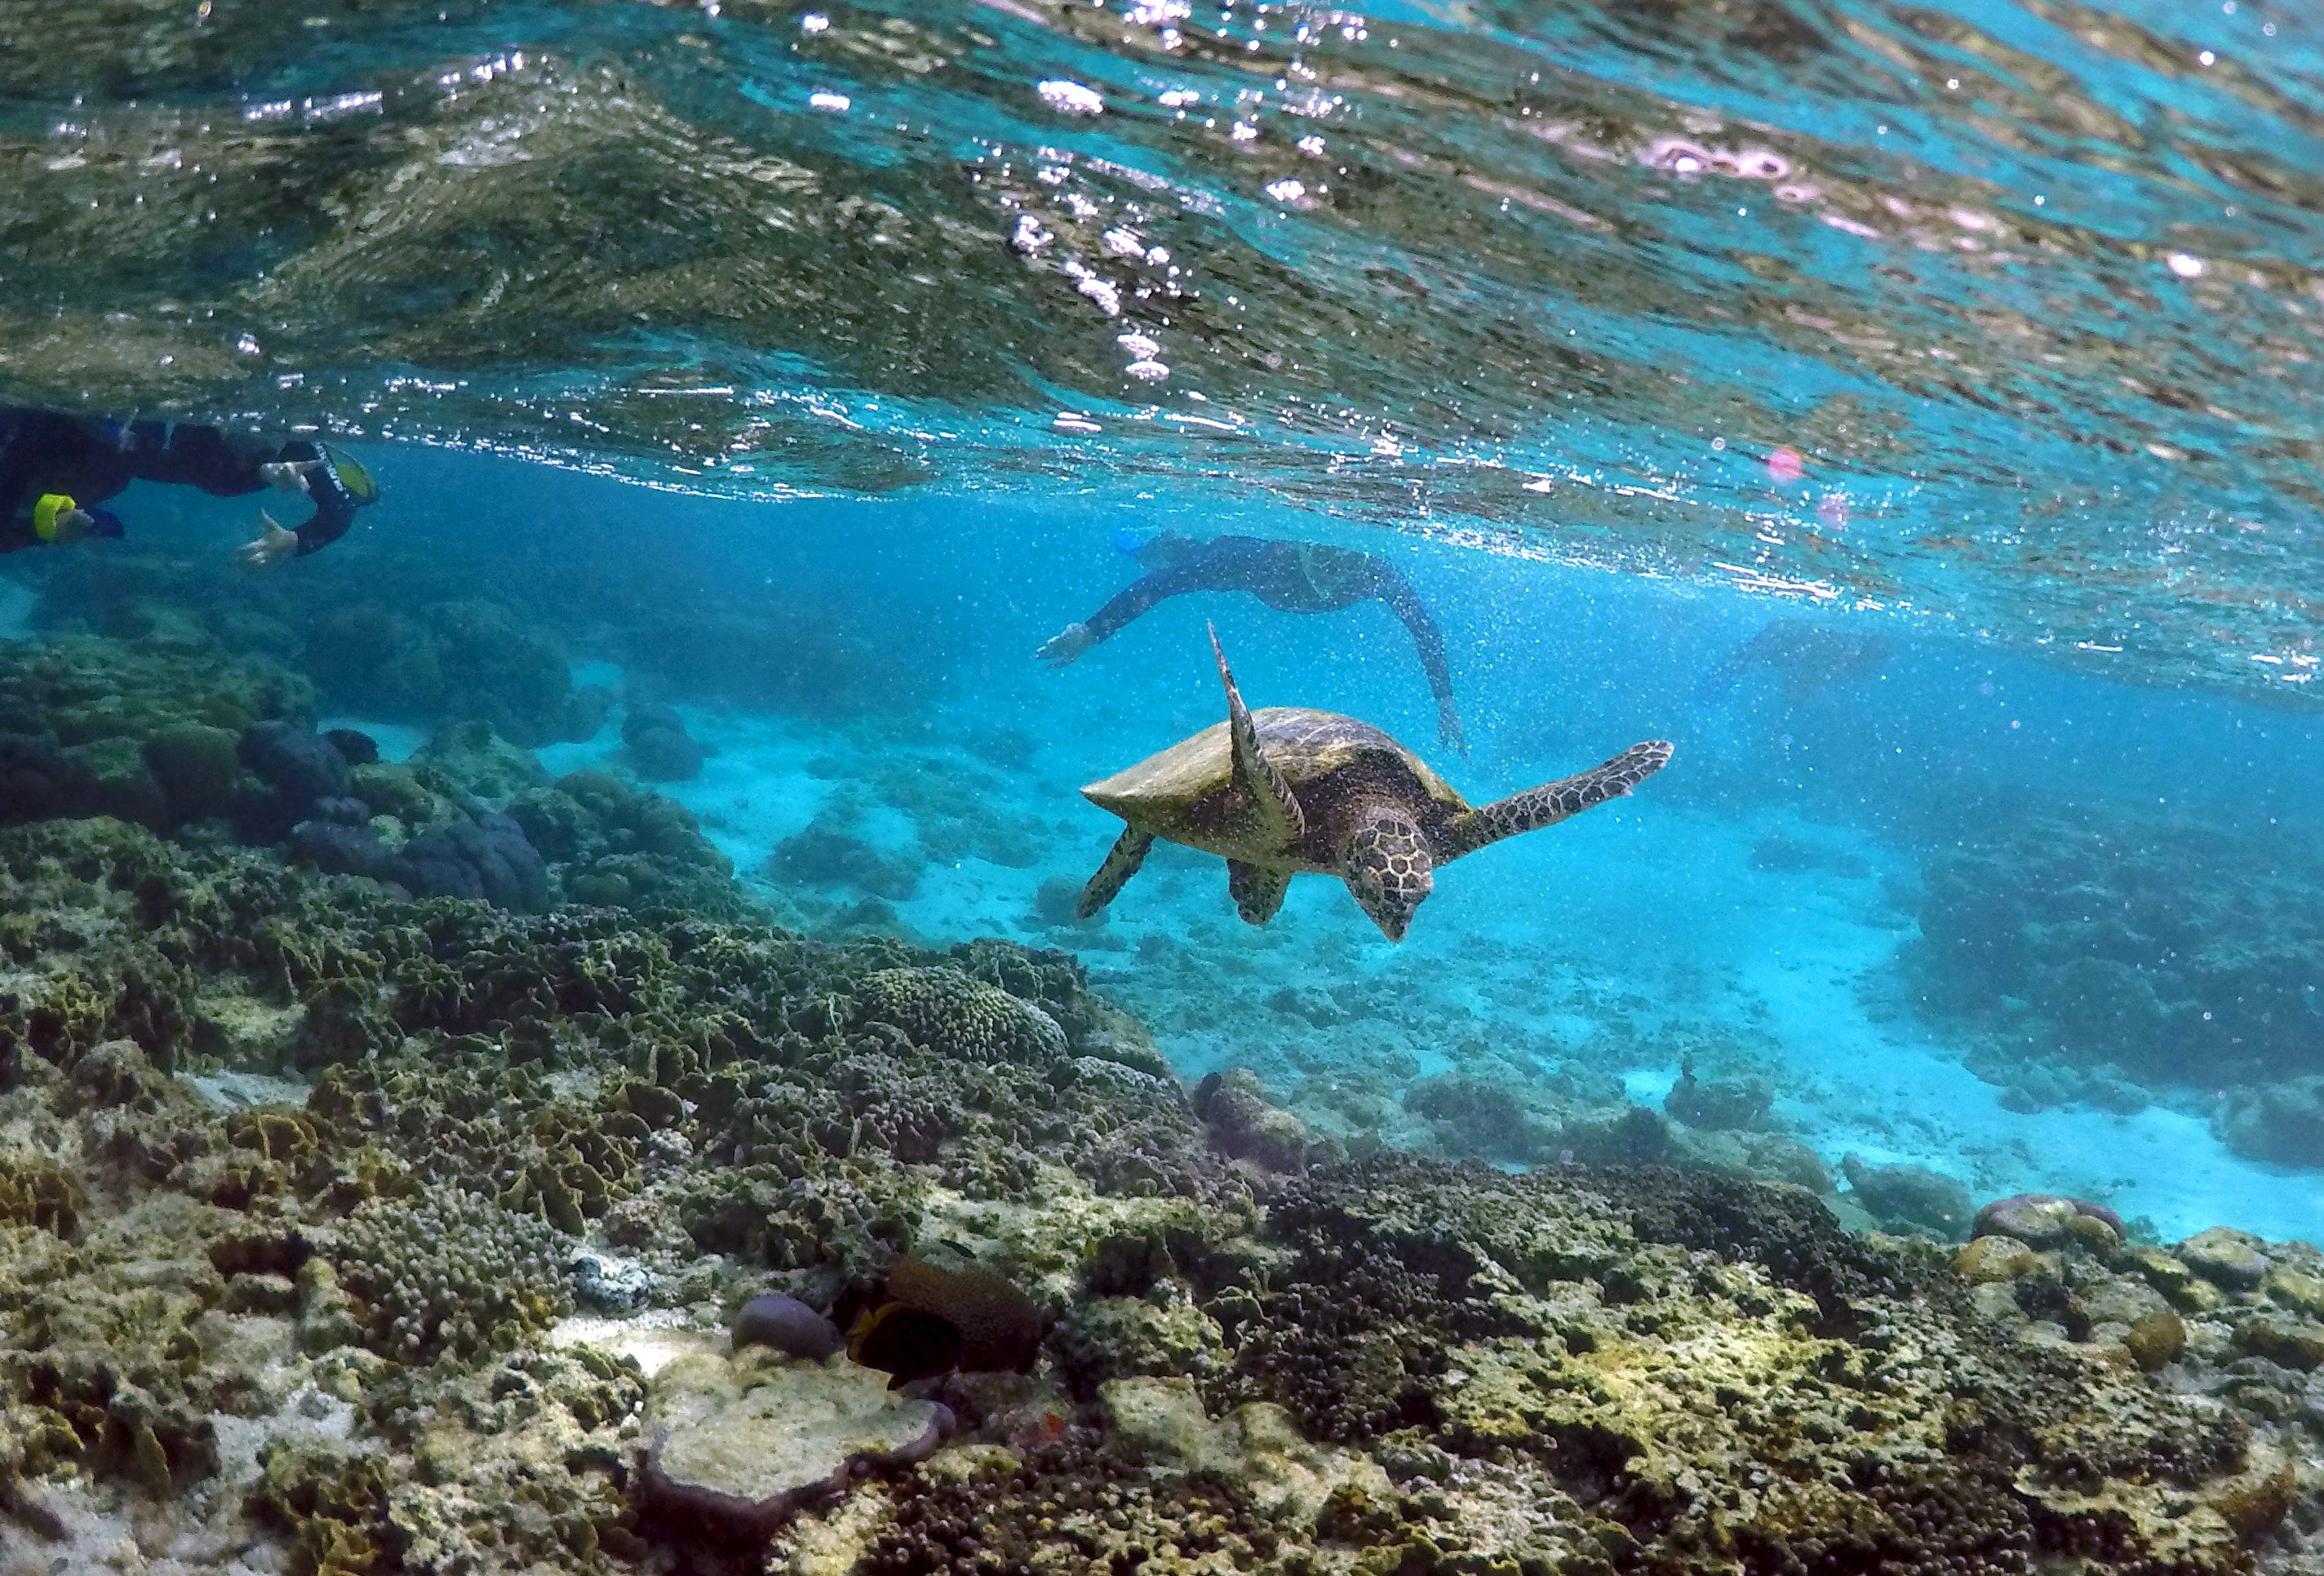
{"points": [[1289, 577], [55, 469]]}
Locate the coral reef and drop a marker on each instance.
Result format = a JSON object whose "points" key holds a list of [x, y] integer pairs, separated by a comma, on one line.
{"points": [[659, 748], [468, 659], [608, 844], [2171, 949], [745, 1443], [1741, 1102], [93, 727], [566, 1071], [1911, 1198], [469, 757], [2279, 1122], [1713, 1125], [430, 651], [335, 1331], [2044, 1220], [447, 1272], [827, 853]]}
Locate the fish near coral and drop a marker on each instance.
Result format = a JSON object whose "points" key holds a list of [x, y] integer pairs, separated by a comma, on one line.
{"points": [[930, 1320]]}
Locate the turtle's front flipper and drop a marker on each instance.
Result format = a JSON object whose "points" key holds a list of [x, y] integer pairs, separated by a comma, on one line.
{"points": [[1258, 893], [1129, 852], [1552, 802], [1269, 797]]}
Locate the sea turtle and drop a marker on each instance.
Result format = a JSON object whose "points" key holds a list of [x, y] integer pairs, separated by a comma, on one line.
{"points": [[1285, 789]]}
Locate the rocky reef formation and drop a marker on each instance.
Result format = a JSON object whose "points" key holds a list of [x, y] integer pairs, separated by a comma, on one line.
{"points": [[2280, 1122], [453, 638], [425, 644], [659, 748], [608, 843], [204, 747], [2100, 951], [468, 659], [99, 727], [345, 1233]]}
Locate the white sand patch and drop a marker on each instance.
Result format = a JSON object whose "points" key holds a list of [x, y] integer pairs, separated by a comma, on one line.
{"points": [[653, 1340]]}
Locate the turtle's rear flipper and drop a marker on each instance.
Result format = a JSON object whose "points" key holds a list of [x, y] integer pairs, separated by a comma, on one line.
{"points": [[1552, 802], [1121, 862], [1258, 893], [1266, 795]]}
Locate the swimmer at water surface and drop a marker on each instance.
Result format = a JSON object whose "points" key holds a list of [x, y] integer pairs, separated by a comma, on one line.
{"points": [[56, 470], [1289, 577]]}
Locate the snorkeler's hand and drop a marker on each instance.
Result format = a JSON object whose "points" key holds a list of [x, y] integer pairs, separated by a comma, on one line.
{"points": [[74, 524], [1448, 729], [287, 476], [273, 542], [1066, 645]]}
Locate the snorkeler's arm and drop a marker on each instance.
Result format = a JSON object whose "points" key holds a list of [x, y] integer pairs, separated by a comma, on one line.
{"points": [[1132, 603], [1143, 595], [1406, 603], [333, 515], [298, 467]]}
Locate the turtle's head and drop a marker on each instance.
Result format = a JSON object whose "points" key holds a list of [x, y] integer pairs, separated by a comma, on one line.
{"points": [[1389, 870]]}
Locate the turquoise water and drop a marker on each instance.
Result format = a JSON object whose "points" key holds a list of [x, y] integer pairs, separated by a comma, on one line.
{"points": [[795, 368], [1764, 906]]}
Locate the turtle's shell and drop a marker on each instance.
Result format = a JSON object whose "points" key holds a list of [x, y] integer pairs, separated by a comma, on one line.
{"points": [[1331, 762]]}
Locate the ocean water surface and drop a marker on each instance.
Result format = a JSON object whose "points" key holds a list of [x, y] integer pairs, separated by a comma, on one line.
{"points": [[1909, 412]]}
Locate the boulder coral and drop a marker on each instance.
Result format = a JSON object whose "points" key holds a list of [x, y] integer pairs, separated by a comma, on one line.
{"points": [[659, 748], [91, 726], [426, 643], [606, 843]]}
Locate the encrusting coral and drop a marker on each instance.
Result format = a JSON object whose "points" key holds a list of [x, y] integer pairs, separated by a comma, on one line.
{"points": [[299, 1176]]}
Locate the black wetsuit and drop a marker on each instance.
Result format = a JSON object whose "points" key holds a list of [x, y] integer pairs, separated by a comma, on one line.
{"points": [[90, 461], [1290, 577]]}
